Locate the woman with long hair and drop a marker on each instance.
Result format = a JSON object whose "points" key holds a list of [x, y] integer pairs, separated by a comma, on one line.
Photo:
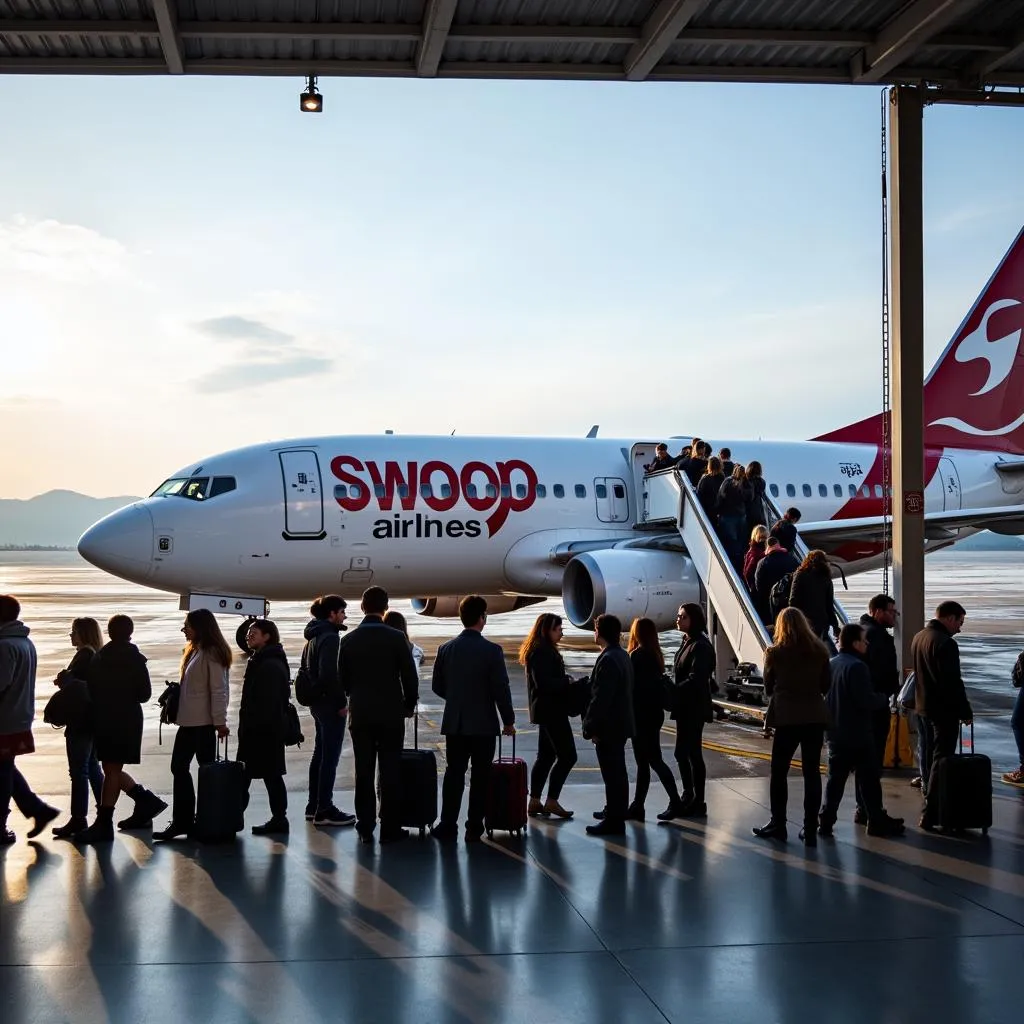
{"points": [[547, 687], [752, 559], [396, 620], [694, 671], [261, 721], [648, 709], [708, 487], [733, 502], [796, 678], [813, 593], [755, 505], [202, 713]]}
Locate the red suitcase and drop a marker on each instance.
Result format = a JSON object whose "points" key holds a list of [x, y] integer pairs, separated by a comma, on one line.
{"points": [[506, 794]]}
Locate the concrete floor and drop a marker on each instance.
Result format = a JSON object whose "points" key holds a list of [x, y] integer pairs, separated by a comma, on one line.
{"points": [[691, 922]]}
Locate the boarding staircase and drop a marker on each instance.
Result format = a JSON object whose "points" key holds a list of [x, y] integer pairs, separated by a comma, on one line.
{"points": [[669, 499]]}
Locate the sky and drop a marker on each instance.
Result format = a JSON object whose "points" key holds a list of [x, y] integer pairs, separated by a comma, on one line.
{"points": [[188, 265]]}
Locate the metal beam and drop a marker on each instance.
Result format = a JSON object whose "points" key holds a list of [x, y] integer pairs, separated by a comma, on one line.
{"points": [[53, 27], [906, 121], [82, 65], [985, 66], [170, 42], [437, 22], [660, 31], [904, 35], [975, 98], [301, 31]]}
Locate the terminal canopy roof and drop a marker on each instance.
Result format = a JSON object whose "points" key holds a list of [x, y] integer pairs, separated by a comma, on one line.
{"points": [[956, 44]]}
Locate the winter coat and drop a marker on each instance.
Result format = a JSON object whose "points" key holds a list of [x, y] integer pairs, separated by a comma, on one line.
{"points": [[755, 506], [609, 715], [547, 685], [881, 657], [797, 682], [707, 493], [118, 687], [815, 596], [939, 692], [786, 532], [204, 692], [17, 679], [751, 560], [733, 498], [694, 671], [266, 689], [852, 701], [648, 691], [322, 640]]}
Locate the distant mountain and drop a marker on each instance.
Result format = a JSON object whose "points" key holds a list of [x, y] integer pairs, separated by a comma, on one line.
{"points": [[57, 518], [988, 541]]}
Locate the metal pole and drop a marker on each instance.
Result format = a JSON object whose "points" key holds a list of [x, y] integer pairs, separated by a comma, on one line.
{"points": [[907, 262]]}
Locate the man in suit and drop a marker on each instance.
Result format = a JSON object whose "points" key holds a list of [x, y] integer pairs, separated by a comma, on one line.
{"points": [[470, 675], [940, 698], [379, 678], [609, 722]]}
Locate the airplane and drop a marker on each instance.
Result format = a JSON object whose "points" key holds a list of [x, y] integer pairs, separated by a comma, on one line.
{"points": [[521, 519]]}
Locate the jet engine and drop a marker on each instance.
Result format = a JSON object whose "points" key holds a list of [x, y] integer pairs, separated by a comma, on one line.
{"points": [[629, 584], [448, 607]]}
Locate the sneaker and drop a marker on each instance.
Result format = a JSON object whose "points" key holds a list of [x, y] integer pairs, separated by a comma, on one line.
{"points": [[916, 782], [310, 812], [333, 818], [1015, 778], [43, 818]]}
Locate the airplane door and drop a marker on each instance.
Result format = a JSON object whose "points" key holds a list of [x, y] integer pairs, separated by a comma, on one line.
{"points": [[612, 502], [303, 500], [950, 485]]}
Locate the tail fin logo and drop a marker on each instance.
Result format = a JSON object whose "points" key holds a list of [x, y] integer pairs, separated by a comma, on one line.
{"points": [[999, 353]]}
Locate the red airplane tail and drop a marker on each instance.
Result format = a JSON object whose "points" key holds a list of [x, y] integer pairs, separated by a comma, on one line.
{"points": [[974, 396]]}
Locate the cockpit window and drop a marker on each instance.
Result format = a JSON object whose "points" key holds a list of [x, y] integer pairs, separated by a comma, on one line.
{"points": [[221, 485], [197, 488], [172, 486]]}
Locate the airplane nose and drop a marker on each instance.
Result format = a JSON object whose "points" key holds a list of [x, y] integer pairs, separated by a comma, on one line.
{"points": [[121, 543]]}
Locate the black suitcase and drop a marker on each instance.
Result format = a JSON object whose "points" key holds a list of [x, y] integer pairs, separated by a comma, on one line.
{"points": [[963, 789], [419, 785], [220, 806]]}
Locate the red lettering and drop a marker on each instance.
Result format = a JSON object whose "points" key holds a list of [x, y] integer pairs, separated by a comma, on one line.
{"points": [[482, 501], [512, 504], [393, 480], [434, 499], [351, 503]]}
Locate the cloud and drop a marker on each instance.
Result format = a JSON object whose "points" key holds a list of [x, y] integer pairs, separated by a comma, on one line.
{"points": [[66, 253], [239, 376], [243, 328]]}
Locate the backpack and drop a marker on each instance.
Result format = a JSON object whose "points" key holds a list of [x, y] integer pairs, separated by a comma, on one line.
{"points": [[778, 596], [307, 689], [292, 727]]}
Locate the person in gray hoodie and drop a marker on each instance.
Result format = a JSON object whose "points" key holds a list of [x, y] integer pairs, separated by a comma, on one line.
{"points": [[17, 709]]}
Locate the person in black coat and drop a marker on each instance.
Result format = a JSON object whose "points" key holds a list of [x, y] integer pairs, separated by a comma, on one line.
{"points": [[470, 676], [266, 689], [785, 529], [776, 564], [380, 680], [708, 487], [813, 593], [692, 708], [548, 688], [609, 722], [649, 715]]}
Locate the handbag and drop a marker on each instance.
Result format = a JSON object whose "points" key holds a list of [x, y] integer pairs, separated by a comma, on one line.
{"points": [[668, 692], [906, 699], [168, 701], [577, 697], [292, 727], [70, 705]]}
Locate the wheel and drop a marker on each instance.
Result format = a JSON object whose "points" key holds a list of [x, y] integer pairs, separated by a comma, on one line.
{"points": [[984, 831], [423, 832], [490, 833]]}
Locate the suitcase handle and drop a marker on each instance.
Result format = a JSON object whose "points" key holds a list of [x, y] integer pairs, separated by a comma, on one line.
{"points": [[216, 755], [513, 745], [961, 727]]}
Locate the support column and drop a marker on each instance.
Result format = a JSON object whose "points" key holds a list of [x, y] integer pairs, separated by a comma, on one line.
{"points": [[907, 262]]}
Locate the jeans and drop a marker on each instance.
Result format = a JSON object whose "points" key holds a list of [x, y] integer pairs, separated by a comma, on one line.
{"points": [[1017, 724], [881, 722], [841, 761], [198, 742], [83, 770], [809, 739], [690, 758], [461, 752], [378, 747], [556, 755], [611, 756], [13, 784], [647, 752], [731, 528], [925, 742], [945, 733], [323, 765]]}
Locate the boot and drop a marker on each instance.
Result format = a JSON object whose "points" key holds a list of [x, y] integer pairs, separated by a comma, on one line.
{"points": [[101, 830], [72, 829], [694, 809], [553, 807], [675, 809], [635, 812], [42, 818], [147, 806], [883, 825], [536, 808]]}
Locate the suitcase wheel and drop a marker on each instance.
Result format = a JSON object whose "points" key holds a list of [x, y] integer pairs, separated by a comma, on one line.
{"points": [[984, 831], [490, 833], [423, 831]]}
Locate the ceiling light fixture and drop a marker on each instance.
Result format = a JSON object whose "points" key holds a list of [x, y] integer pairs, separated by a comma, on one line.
{"points": [[310, 101]]}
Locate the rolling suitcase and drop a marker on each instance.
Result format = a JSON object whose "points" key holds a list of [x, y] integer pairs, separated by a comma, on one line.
{"points": [[220, 803], [419, 785], [506, 794], [963, 787]]}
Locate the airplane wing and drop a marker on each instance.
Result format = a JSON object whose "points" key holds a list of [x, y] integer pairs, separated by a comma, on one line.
{"points": [[938, 525]]}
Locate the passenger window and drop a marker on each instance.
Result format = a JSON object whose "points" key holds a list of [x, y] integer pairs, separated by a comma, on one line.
{"points": [[619, 491], [790, 491], [774, 489], [446, 490], [822, 491], [838, 488], [340, 491], [878, 490], [490, 491], [426, 491], [807, 490], [470, 490], [222, 485], [853, 490], [581, 491], [520, 490], [559, 491], [506, 491], [196, 488], [403, 490], [542, 491], [378, 491], [865, 490], [355, 491], [599, 489]]}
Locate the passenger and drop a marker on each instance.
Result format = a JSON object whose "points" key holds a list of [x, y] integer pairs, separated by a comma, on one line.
{"points": [[380, 680], [785, 528], [940, 698], [885, 677], [547, 687], [733, 501], [202, 714], [694, 672], [697, 463], [608, 723], [329, 709], [814, 594], [725, 457], [17, 709], [649, 715], [854, 704], [79, 743], [396, 620], [707, 489], [752, 559], [776, 564], [470, 675], [756, 512], [683, 457], [796, 677], [1016, 777], [262, 720], [662, 460], [118, 687]]}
